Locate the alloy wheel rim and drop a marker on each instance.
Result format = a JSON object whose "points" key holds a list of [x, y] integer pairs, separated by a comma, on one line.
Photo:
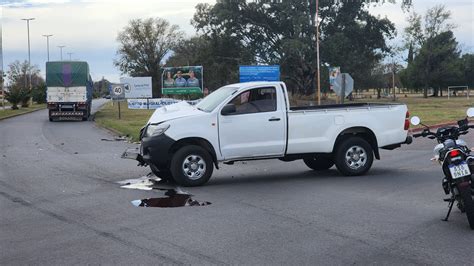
{"points": [[194, 167], [356, 157]]}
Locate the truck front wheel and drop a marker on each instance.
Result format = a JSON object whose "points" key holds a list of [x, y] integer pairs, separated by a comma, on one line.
{"points": [[191, 166], [354, 156], [319, 163]]}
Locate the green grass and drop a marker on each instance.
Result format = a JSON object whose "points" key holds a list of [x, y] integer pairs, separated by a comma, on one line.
{"points": [[433, 110], [130, 123], [8, 112]]}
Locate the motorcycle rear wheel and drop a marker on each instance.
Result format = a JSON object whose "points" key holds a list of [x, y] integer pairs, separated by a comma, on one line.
{"points": [[468, 205]]}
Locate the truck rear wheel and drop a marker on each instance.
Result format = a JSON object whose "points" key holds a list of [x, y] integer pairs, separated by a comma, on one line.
{"points": [[354, 156], [191, 166], [319, 163]]}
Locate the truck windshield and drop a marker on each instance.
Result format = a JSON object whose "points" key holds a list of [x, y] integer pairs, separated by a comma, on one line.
{"points": [[214, 99]]}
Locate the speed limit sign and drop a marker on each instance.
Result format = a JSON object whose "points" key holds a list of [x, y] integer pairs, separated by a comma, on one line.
{"points": [[117, 91]]}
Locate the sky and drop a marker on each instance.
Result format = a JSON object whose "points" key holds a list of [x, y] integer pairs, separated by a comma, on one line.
{"points": [[88, 28]]}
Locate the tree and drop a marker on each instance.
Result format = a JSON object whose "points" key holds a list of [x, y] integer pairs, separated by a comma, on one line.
{"points": [[419, 39], [220, 57], [101, 88], [283, 32], [437, 63], [39, 93], [467, 69], [18, 74], [143, 44], [16, 95]]}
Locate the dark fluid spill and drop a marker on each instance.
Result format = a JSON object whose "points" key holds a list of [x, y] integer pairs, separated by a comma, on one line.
{"points": [[173, 200], [175, 196]]}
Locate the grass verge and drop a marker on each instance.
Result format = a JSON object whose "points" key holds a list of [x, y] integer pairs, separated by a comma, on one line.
{"points": [[130, 123], [7, 113], [434, 110]]}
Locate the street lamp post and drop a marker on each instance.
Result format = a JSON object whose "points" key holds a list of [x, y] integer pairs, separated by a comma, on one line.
{"points": [[70, 56], [61, 49], [29, 53], [47, 43]]}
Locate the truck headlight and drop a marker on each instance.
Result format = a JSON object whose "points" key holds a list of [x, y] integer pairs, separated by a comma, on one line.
{"points": [[155, 130]]}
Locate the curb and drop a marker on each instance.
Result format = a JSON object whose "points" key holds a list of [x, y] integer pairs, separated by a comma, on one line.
{"points": [[15, 115]]}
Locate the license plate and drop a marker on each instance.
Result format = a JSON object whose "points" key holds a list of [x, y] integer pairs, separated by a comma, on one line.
{"points": [[460, 170]]}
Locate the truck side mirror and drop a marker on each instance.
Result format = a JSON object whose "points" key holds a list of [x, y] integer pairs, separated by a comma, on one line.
{"points": [[228, 109]]}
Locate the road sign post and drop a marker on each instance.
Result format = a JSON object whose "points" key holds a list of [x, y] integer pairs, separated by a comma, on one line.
{"points": [[117, 91], [342, 85]]}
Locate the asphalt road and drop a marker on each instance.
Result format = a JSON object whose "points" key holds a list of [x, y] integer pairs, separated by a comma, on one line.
{"points": [[60, 204]]}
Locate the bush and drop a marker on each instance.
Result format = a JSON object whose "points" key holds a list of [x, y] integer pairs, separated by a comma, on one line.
{"points": [[17, 95], [39, 94]]}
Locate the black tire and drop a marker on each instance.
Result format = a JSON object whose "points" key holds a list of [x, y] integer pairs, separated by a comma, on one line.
{"points": [[191, 166], [354, 156], [162, 173], [468, 204], [319, 163]]}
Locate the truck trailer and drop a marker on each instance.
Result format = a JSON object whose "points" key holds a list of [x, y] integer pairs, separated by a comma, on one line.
{"points": [[69, 90]]}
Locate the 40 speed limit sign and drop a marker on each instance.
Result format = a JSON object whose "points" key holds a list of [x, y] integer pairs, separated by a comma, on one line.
{"points": [[117, 91]]}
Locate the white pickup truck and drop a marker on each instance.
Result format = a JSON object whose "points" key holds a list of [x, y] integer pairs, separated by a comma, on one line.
{"points": [[250, 121]]}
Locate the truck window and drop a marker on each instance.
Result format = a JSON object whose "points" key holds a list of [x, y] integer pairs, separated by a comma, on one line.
{"points": [[255, 101]]}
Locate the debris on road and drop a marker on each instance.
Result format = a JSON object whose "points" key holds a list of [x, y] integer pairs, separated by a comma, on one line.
{"points": [[119, 138]]}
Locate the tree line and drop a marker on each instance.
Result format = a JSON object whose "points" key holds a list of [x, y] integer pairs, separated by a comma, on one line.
{"points": [[239, 32]]}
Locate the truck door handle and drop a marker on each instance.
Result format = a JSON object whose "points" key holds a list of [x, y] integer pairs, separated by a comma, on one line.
{"points": [[274, 119]]}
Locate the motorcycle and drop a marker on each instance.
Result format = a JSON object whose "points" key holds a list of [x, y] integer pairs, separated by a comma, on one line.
{"points": [[457, 163]]}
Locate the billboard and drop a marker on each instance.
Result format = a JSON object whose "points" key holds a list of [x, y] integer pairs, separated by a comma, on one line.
{"points": [[137, 87], [154, 103], [259, 73], [182, 80]]}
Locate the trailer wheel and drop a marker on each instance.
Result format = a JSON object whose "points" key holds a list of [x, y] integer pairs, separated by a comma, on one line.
{"points": [[191, 166], [354, 156]]}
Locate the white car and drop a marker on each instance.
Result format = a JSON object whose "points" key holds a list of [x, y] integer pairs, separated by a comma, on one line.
{"points": [[249, 121]]}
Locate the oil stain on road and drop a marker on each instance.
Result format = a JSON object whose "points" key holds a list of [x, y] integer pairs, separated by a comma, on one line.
{"points": [[175, 196]]}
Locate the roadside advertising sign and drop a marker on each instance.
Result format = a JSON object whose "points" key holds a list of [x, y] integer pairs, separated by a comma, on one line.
{"points": [[182, 80], [154, 103], [137, 87], [259, 73]]}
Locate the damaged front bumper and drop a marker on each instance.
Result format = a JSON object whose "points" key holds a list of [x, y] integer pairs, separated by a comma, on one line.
{"points": [[153, 150], [134, 154]]}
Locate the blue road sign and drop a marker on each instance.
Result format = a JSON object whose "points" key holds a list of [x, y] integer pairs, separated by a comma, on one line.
{"points": [[259, 73]]}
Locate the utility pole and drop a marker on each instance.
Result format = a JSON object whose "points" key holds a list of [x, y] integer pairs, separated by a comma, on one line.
{"points": [[70, 56], [61, 49], [29, 53], [47, 43], [317, 53], [393, 81]]}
